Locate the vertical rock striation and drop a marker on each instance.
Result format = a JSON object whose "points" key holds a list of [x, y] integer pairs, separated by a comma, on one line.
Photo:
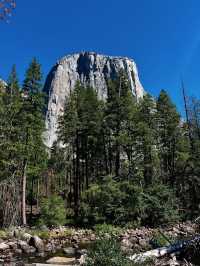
{"points": [[90, 69]]}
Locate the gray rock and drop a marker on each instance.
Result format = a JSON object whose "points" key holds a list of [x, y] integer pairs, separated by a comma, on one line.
{"points": [[61, 260], [12, 245], [81, 252], [3, 246], [90, 69], [70, 251], [37, 243], [126, 243], [142, 242], [25, 247], [26, 237]]}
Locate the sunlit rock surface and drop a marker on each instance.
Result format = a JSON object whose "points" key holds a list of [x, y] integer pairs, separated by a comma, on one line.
{"points": [[90, 69]]}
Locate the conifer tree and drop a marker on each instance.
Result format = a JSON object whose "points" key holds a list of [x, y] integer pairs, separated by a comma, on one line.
{"points": [[32, 125], [145, 140], [119, 110], [168, 122]]}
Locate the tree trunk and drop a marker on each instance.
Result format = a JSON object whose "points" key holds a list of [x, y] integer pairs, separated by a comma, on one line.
{"points": [[32, 185], [160, 252], [24, 192]]}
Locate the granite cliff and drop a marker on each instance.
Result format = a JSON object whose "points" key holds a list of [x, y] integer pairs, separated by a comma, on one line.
{"points": [[90, 69]]}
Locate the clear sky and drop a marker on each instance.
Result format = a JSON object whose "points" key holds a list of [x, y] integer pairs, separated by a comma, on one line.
{"points": [[162, 36]]}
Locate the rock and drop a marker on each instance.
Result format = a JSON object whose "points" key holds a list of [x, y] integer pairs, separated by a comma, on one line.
{"points": [[12, 245], [3, 246], [26, 237], [25, 247], [70, 251], [92, 237], [61, 260], [18, 251], [90, 69], [126, 243], [82, 259], [37, 243], [81, 252], [142, 243]]}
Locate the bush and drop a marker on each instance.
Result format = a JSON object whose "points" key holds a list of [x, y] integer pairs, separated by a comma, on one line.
{"points": [[110, 202], [107, 229], [160, 205], [53, 211], [122, 202], [107, 252]]}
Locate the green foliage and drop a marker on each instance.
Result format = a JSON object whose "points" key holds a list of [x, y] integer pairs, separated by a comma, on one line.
{"points": [[107, 230], [4, 234], [161, 240], [121, 202], [53, 211], [161, 205], [107, 251]]}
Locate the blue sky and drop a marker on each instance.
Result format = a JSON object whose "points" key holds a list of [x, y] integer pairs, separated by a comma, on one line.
{"points": [[162, 36]]}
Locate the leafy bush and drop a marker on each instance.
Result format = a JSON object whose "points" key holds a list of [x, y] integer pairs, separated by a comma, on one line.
{"points": [[53, 211], [107, 229], [160, 205], [107, 252], [160, 240], [3, 234], [122, 202], [110, 201]]}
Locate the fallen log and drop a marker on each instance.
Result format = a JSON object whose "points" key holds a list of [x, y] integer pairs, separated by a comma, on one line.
{"points": [[160, 252]]}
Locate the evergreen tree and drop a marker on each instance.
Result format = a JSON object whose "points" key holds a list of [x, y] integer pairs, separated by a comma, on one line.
{"points": [[79, 130], [118, 115], [9, 126], [146, 159], [32, 126], [168, 124]]}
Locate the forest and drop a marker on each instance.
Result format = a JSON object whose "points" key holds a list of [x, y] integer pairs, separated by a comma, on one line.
{"points": [[119, 161]]}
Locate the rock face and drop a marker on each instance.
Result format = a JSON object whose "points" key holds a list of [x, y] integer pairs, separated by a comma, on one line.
{"points": [[90, 69], [2, 83]]}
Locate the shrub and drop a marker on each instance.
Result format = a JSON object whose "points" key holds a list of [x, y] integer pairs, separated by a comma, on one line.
{"points": [[107, 229], [160, 205], [122, 202], [53, 211], [107, 252]]}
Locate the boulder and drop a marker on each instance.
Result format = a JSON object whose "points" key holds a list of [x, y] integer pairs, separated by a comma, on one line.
{"points": [[70, 251], [82, 259], [26, 237], [61, 261], [3, 246], [25, 247], [37, 243]]}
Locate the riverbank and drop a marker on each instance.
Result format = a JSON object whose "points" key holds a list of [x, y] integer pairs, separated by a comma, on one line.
{"points": [[19, 246]]}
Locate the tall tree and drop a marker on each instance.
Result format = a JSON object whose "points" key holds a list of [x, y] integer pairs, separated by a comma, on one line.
{"points": [[32, 124], [145, 140], [119, 108], [168, 124], [79, 130]]}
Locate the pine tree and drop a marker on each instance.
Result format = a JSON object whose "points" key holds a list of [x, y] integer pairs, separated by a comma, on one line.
{"points": [[79, 130], [145, 140], [119, 110], [13, 83], [168, 124], [32, 126], [9, 126]]}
